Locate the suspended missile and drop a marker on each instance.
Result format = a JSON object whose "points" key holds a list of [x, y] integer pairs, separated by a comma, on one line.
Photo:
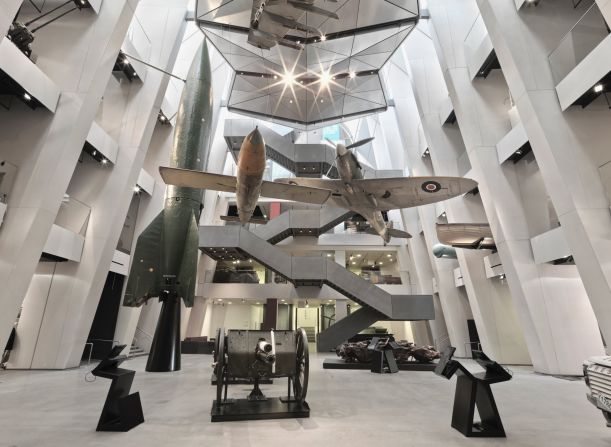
{"points": [[164, 263]]}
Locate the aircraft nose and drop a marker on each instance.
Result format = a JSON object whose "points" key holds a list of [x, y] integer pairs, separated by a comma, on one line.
{"points": [[341, 150], [255, 137]]}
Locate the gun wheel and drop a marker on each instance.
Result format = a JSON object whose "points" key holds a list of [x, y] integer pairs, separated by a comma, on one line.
{"points": [[302, 359]]}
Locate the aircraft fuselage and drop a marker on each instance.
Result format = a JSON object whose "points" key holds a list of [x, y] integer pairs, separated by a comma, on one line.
{"points": [[354, 199], [251, 167]]}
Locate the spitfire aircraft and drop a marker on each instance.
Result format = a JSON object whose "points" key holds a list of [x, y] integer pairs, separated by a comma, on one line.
{"points": [[368, 197], [271, 20]]}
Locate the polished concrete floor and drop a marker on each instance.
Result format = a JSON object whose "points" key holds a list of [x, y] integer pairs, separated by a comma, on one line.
{"points": [[349, 408]]}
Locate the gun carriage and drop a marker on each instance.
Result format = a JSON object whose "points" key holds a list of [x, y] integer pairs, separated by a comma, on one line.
{"points": [[257, 355]]}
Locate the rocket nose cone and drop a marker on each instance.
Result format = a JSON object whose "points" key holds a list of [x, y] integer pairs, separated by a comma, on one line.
{"points": [[255, 137]]}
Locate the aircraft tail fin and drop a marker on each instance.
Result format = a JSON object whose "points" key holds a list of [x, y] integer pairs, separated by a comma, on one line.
{"points": [[253, 220], [149, 274], [399, 233], [392, 232]]}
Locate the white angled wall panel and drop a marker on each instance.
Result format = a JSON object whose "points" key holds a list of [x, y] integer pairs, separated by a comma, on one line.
{"points": [[146, 182], [514, 140], [103, 142], [64, 243], [550, 246]]}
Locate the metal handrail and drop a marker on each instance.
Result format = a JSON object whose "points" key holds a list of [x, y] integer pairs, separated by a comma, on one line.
{"points": [[470, 343], [90, 352]]}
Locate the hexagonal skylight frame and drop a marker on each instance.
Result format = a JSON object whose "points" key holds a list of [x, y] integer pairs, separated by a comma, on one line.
{"points": [[336, 75]]}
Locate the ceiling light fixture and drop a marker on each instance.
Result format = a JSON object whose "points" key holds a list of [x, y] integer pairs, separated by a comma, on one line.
{"points": [[288, 78], [352, 75], [27, 97], [137, 189], [598, 88]]}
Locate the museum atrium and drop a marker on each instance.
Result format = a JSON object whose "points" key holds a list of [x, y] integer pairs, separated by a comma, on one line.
{"points": [[399, 207]]}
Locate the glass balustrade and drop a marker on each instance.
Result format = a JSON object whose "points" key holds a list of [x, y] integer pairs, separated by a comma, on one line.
{"points": [[584, 36], [73, 215]]}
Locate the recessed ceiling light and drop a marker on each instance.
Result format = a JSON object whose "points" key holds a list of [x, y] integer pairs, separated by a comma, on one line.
{"points": [[323, 38], [598, 88], [27, 97], [137, 189], [352, 75]]}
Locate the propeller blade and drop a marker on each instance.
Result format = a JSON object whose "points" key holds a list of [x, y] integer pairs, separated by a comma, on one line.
{"points": [[331, 143], [360, 143]]}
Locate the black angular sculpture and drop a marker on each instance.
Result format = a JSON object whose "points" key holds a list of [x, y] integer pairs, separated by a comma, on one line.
{"points": [[122, 411], [474, 390]]}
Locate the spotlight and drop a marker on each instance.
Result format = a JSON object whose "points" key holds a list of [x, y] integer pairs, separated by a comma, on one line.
{"points": [[598, 88], [359, 255], [125, 61], [137, 189], [328, 255], [288, 78], [389, 256], [325, 78], [323, 38], [104, 161], [26, 96], [94, 152], [352, 75]]}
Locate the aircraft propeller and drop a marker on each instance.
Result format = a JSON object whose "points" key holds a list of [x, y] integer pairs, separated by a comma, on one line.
{"points": [[349, 147]]}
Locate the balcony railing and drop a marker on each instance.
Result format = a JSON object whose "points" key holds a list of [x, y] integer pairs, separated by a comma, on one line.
{"points": [[589, 31]]}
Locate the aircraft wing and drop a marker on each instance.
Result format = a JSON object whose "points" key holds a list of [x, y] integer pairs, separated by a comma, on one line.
{"points": [[197, 179], [296, 193], [395, 192], [227, 183], [465, 235]]}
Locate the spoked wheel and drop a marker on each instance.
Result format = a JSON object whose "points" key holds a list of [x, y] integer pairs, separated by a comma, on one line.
{"points": [[302, 359], [220, 368]]}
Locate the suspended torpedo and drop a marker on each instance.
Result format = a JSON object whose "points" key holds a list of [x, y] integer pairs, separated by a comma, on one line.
{"points": [[165, 261]]}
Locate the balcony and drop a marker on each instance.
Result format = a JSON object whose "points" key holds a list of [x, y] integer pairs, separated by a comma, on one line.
{"points": [[481, 58], [580, 63], [67, 236], [21, 78]]}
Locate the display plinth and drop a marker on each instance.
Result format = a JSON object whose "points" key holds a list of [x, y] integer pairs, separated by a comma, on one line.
{"points": [[337, 363], [473, 390], [122, 411], [272, 408]]}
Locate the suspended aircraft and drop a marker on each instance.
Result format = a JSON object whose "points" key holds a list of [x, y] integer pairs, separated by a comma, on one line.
{"points": [[271, 20], [368, 197], [466, 235]]}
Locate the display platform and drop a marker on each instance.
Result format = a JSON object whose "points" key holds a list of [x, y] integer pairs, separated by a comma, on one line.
{"points": [[246, 410], [242, 381], [337, 363]]}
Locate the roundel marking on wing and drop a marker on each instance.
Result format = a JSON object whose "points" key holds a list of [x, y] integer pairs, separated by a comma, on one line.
{"points": [[431, 186]]}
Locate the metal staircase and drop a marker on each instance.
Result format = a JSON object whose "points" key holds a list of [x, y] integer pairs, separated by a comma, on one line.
{"points": [[218, 241], [301, 223]]}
